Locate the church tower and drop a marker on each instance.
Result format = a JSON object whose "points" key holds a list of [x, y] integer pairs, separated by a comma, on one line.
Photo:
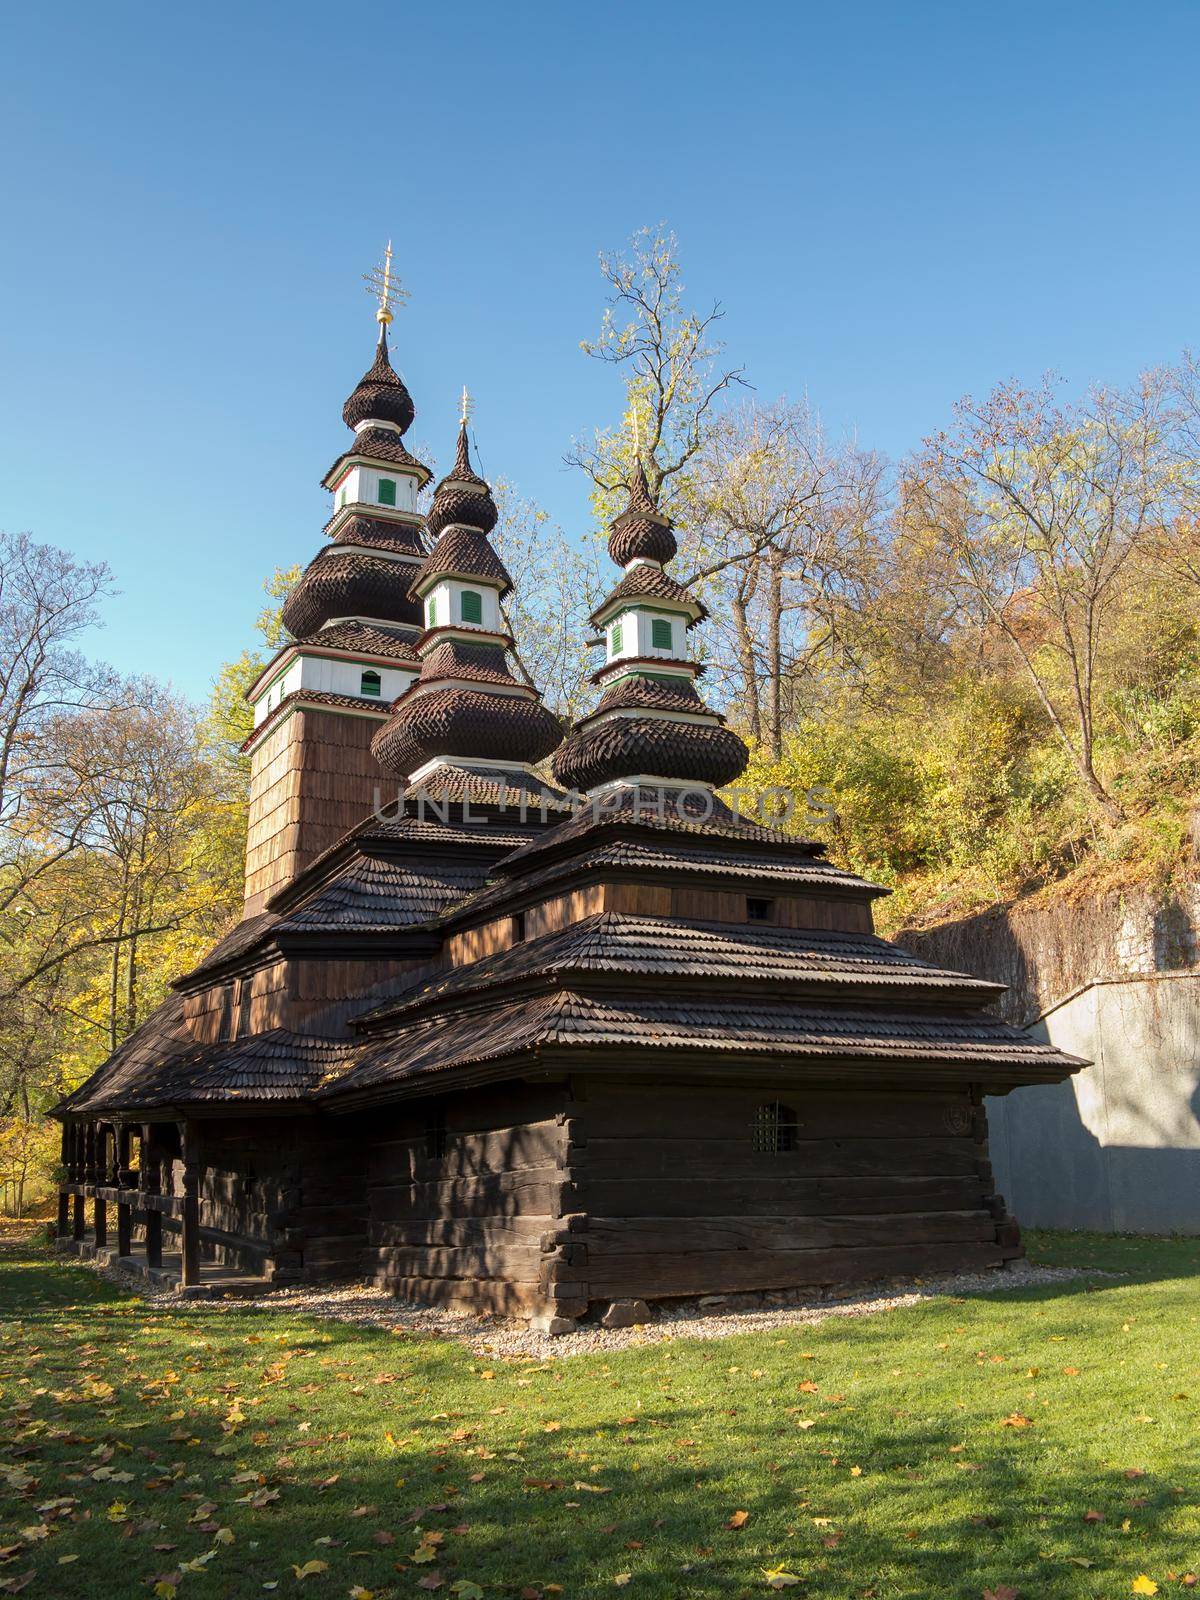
{"points": [[465, 723], [649, 725], [323, 696]]}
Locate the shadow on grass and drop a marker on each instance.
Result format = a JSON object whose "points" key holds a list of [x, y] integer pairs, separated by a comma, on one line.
{"points": [[369, 1434]]}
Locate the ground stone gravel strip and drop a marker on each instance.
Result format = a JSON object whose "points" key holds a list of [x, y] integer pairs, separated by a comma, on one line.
{"points": [[486, 1336]]}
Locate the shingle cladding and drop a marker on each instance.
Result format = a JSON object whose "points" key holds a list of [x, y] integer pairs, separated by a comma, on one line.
{"points": [[565, 1020], [661, 948], [262, 1068]]}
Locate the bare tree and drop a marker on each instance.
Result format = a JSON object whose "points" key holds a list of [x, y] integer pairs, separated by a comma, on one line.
{"points": [[670, 355], [555, 586], [779, 521]]}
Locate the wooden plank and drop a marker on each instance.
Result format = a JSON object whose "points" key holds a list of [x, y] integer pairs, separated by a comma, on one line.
{"points": [[495, 1295], [466, 1231], [520, 1263], [534, 1191], [608, 1236], [667, 1158], [656, 1275], [476, 1154], [616, 1110], [795, 1196]]}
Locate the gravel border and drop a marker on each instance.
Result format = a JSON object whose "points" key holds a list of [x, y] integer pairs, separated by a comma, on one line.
{"points": [[367, 1306]]}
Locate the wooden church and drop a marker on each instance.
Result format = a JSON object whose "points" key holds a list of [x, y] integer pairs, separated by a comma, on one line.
{"points": [[521, 1044]]}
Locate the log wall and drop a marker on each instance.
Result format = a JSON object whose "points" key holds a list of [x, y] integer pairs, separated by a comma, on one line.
{"points": [[480, 1225], [672, 1199], [287, 1194]]}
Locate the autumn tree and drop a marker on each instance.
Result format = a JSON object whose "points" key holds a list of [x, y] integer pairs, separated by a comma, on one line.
{"points": [[781, 522], [1039, 506]]}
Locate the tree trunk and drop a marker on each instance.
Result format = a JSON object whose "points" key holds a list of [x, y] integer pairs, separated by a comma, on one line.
{"points": [[774, 653], [745, 652]]}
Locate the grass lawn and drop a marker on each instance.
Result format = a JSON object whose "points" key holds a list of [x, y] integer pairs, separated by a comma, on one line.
{"points": [[1040, 1443]]}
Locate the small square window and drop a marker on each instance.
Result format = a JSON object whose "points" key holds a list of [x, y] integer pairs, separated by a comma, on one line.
{"points": [[774, 1129], [660, 634], [759, 910], [387, 492], [471, 606]]}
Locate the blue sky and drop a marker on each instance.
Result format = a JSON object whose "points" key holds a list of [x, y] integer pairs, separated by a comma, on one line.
{"points": [[896, 203]]}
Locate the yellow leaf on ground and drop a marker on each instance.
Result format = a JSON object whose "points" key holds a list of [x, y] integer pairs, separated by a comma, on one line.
{"points": [[1144, 1585], [309, 1569], [739, 1519]]}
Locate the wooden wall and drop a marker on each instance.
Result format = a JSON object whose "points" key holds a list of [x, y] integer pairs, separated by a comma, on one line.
{"points": [[674, 1200], [481, 1226], [312, 778], [655, 898], [309, 994], [286, 1195], [552, 1198]]}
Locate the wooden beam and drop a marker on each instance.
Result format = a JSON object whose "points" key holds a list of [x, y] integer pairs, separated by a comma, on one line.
{"points": [[126, 1182], [150, 1184], [190, 1246]]}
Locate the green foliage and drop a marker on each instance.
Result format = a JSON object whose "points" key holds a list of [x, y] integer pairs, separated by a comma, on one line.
{"points": [[278, 586]]}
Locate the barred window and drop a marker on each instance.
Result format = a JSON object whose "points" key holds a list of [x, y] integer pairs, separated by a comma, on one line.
{"points": [[387, 492], [471, 606], [774, 1129], [370, 683], [660, 634]]}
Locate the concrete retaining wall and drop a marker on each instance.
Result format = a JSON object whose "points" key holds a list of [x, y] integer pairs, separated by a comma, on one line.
{"points": [[1118, 1147]]}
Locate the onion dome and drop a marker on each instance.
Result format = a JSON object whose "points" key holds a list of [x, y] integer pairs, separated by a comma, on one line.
{"points": [[380, 394], [342, 581], [650, 722], [641, 532], [463, 497], [465, 708]]}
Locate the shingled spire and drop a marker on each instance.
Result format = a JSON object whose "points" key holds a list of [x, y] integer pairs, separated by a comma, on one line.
{"points": [[353, 629], [466, 710], [649, 724]]}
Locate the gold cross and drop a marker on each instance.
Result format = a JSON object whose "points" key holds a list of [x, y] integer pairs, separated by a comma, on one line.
{"points": [[383, 286]]}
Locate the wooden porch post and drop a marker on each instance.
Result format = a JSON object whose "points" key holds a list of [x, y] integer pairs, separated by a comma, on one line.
{"points": [[126, 1179], [190, 1148], [64, 1199], [151, 1186], [78, 1219], [99, 1204]]}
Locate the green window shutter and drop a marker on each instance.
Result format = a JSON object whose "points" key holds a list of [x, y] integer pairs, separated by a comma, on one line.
{"points": [[387, 492], [370, 684], [431, 611], [615, 643], [660, 633], [471, 606]]}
